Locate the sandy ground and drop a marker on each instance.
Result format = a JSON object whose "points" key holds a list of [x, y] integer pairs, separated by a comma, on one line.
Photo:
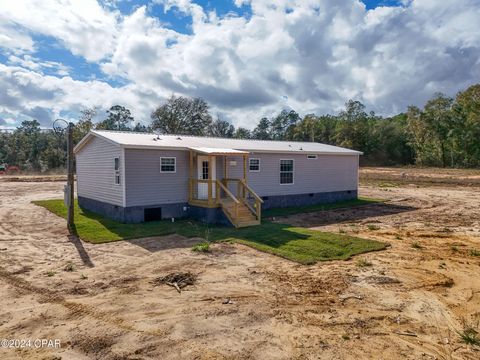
{"points": [[107, 308], [429, 176]]}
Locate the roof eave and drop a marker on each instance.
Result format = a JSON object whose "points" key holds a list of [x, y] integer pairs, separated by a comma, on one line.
{"points": [[92, 133], [258, 151], [89, 136], [83, 142]]}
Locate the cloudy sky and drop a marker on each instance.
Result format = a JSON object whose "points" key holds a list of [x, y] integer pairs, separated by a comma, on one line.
{"points": [[247, 58]]}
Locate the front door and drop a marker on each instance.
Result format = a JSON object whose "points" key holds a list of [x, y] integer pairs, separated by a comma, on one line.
{"points": [[203, 174]]}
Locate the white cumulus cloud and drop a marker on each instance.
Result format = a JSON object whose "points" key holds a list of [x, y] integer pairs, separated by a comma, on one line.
{"points": [[309, 55]]}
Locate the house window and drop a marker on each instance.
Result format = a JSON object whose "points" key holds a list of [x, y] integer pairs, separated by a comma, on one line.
{"points": [[254, 165], [311, 156], [168, 165], [286, 172], [204, 170], [116, 165]]}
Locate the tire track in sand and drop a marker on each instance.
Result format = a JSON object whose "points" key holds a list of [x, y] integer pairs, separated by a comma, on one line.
{"points": [[76, 309]]}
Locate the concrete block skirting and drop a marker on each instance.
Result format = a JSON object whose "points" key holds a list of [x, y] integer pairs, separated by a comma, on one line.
{"points": [[135, 214], [110, 211], [209, 215], [279, 201], [132, 214]]}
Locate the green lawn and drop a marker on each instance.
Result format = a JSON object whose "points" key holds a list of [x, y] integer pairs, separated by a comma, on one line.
{"points": [[298, 244], [319, 207]]}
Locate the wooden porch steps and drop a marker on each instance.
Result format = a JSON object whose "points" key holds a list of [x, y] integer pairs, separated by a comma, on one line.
{"points": [[245, 216]]}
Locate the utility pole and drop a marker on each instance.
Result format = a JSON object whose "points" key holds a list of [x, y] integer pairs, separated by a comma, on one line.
{"points": [[69, 189], [70, 180]]}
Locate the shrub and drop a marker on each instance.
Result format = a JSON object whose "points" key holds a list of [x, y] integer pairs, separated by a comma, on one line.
{"points": [[201, 247], [373, 227], [469, 334]]}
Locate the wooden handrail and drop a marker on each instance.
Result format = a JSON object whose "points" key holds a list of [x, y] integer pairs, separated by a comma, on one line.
{"points": [[228, 192], [251, 191], [250, 207]]}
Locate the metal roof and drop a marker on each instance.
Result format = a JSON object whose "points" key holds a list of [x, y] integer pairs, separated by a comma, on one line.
{"points": [[218, 151], [208, 144]]}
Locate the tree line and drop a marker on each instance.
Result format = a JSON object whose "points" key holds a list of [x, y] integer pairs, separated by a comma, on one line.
{"points": [[445, 132]]}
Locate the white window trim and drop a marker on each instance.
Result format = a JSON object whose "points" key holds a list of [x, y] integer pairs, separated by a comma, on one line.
{"points": [[117, 172], [280, 171], [174, 164], [259, 165], [312, 156]]}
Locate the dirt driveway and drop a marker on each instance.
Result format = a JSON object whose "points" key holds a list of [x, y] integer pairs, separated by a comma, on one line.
{"points": [[407, 305]]}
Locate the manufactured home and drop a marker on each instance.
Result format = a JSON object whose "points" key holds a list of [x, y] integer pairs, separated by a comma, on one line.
{"points": [[136, 177]]}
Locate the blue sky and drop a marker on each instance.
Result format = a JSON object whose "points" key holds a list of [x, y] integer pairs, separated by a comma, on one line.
{"points": [[50, 50], [246, 58]]}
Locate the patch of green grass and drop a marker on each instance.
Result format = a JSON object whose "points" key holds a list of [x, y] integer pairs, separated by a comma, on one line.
{"points": [[201, 247], [319, 207], [372, 227], [97, 229], [298, 244], [363, 263]]}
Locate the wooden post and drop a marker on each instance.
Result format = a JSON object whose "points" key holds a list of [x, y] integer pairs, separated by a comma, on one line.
{"points": [[245, 168], [244, 174], [209, 179], [70, 180], [239, 187], [224, 168], [190, 179]]}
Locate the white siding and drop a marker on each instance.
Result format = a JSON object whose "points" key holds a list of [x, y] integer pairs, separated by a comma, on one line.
{"points": [[146, 185], [96, 172], [327, 173]]}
